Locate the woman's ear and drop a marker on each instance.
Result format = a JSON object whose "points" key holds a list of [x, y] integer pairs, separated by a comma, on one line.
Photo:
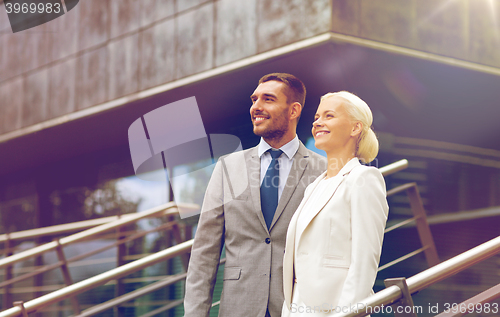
{"points": [[357, 128]]}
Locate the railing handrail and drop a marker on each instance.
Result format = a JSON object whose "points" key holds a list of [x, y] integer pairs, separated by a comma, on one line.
{"points": [[454, 265], [99, 308], [486, 296], [430, 276], [98, 280], [57, 229], [41, 269], [64, 228], [394, 167], [458, 216], [91, 232]]}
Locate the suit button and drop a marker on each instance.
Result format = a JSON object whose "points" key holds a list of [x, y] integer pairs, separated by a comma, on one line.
{"points": [[268, 240]]}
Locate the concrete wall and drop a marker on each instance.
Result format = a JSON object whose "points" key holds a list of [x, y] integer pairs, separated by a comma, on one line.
{"points": [[463, 29], [106, 49]]}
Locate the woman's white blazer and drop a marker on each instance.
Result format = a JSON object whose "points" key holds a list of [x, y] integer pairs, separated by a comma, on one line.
{"points": [[339, 250]]}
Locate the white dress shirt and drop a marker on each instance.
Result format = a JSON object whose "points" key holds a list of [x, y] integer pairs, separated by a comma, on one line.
{"points": [[285, 160]]}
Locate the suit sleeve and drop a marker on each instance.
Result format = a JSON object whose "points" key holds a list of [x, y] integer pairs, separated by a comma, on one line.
{"points": [[369, 212], [206, 251]]}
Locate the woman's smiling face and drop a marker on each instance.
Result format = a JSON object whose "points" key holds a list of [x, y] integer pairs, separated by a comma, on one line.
{"points": [[332, 127]]}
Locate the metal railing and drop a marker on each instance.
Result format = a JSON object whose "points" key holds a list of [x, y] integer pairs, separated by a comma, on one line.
{"points": [[420, 219], [52, 246], [394, 167], [57, 229], [435, 274], [465, 307], [180, 249], [140, 292], [98, 280], [169, 210], [9, 241]]}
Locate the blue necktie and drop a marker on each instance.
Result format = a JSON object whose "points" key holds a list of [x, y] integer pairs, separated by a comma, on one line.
{"points": [[269, 188]]}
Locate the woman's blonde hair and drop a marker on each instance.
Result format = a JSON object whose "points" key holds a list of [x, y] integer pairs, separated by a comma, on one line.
{"points": [[358, 110]]}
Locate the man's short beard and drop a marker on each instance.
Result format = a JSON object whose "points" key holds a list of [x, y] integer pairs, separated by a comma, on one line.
{"points": [[274, 134], [271, 135]]}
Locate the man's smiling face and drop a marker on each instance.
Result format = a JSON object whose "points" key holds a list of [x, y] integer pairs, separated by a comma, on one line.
{"points": [[270, 110]]}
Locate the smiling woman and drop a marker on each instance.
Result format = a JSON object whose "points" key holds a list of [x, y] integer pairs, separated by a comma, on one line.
{"points": [[334, 240], [347, 110]]}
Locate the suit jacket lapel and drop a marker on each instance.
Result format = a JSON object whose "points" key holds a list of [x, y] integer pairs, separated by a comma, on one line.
{"points": [[296, 172], [291, 237], [324, 199], [253, 170]]}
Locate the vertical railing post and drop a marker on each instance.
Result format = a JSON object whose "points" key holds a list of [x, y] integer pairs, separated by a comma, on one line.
{"points": [[406, 302], [176, 232], [424, 232], [20, 304], [169, 268], [120, 260], [188, 235], [7, 296], [38, 278], [67, 276]]}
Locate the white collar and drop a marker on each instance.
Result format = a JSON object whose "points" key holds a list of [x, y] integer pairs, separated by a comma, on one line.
{"points": [[289, 149]]}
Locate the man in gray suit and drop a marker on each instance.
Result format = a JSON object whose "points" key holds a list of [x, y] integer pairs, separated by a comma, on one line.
{"points": [[252, 222]]}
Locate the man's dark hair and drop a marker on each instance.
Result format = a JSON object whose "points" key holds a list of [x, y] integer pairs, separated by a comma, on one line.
{"points": [[295, 91]]}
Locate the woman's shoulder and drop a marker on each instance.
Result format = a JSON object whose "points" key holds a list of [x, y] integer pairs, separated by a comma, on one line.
{"points": [[360, 169], [368, 173]]}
